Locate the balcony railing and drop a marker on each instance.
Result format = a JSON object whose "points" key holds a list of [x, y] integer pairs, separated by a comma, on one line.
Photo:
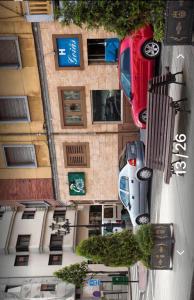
{"points": [[39, 11]]}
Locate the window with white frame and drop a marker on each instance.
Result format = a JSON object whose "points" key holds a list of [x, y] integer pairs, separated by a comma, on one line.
{"points": [[14, 109], [21, 260], [10, 57], [107, 105], [20, 156], [59, 215]]}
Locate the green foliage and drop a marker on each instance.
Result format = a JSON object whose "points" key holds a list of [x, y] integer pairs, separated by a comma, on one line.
{"points": [[119, 16], [74, 274], [118, 249], [144, 237]]}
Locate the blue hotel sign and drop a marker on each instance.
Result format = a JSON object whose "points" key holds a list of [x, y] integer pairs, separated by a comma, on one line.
{"points": [[68, 50]]}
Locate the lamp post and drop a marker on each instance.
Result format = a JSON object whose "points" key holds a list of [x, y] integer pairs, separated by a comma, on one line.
{"points": [[64, 229]]}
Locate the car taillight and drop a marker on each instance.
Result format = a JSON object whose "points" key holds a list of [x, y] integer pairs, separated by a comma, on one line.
{"points": [[132, 162]]}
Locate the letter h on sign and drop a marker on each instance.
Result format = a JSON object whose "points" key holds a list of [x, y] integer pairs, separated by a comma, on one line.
{"points": [[62, 51]]}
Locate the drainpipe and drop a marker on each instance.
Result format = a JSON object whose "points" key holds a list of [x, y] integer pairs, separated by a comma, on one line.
{"points": [[47, 108]]}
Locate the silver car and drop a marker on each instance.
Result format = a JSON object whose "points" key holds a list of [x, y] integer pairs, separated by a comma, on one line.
{"points": [[134, 182]]}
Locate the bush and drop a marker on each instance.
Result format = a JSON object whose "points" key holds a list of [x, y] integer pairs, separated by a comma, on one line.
{"points": [[118, 249], [74, 274], [119, 16], [144, 237]]}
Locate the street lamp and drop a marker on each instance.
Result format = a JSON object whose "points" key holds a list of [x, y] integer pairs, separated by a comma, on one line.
{"points": [[64, 229]]}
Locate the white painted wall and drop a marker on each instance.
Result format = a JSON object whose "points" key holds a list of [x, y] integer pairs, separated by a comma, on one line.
{"points": [[29, 226], [5, 222]]}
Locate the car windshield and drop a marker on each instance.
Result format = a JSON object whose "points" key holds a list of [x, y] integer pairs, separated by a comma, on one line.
{"points": [[124, 183], [125, 198], [125, 76]]}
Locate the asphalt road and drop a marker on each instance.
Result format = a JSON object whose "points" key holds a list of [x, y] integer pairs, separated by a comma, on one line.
{"points": [[174, 203]]}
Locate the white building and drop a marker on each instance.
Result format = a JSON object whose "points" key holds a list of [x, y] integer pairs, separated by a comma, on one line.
{"points": [[30, 252]]}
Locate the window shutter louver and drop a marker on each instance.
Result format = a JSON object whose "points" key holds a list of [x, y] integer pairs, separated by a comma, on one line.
{"points": [[76, 155], [14, 109], [20, 156]]}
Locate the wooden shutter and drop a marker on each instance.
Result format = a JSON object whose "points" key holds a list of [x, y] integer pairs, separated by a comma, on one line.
{"points": [[14, 109], [77, 155]]}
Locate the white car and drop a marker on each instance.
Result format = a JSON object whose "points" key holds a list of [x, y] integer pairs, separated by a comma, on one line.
{"points": [[133, 182]]}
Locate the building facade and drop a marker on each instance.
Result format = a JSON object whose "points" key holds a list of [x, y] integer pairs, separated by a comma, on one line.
{"points": [[31, 251], [25, 166], [91, 118]]}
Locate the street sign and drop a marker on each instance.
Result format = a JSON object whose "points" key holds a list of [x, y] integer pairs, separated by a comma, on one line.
{"points": [[94, 282], [120, 280], [97, 294]]}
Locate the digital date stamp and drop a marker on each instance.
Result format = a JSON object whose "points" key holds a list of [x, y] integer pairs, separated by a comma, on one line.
{"points": [[180, 147]]}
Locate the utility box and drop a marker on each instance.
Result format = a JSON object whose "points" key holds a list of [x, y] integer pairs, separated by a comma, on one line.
{"points": [[179, 22]]}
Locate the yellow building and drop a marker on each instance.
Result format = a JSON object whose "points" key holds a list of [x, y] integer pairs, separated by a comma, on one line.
{"points": [[25, 168]]}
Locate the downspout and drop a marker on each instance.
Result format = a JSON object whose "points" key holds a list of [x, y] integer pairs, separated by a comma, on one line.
{"points": [[47, 109]]}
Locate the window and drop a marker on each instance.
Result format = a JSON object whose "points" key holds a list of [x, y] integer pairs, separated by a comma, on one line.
{"points": [[77, 155], [68, 51], [28, 214], [9, 52], [102, 51], [107, 106], [21, 260], [47, 287], [55, 259], [20, 156], [123, 158], [125, 199], [13, 289], [56, 242], [72, 106], [59, 215], [108, 212], [14, 109], [124, 183], [23, 242], [125, 72]]}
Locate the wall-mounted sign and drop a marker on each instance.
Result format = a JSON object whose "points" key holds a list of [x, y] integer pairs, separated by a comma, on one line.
{"points": [[94, 282], [68, 51], [76, 183]]}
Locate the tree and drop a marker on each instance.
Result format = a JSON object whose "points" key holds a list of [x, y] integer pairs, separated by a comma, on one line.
{"points": [[119, 249], [119, 16], [74, 274]]}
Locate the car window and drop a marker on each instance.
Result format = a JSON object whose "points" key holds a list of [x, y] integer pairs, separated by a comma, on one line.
{"points": [[125, 76], [124, 198], [122, 159], [124, 183]]}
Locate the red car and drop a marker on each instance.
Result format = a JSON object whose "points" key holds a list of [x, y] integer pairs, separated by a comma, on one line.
{"points": [[136, 68]]}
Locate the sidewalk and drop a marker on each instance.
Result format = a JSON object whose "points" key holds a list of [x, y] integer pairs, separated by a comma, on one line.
{"points": [[143, 277], [140, 273]]}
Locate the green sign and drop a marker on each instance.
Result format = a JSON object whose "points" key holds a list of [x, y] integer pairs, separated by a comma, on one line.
{"points": [[76, 183], [123, 280]]}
